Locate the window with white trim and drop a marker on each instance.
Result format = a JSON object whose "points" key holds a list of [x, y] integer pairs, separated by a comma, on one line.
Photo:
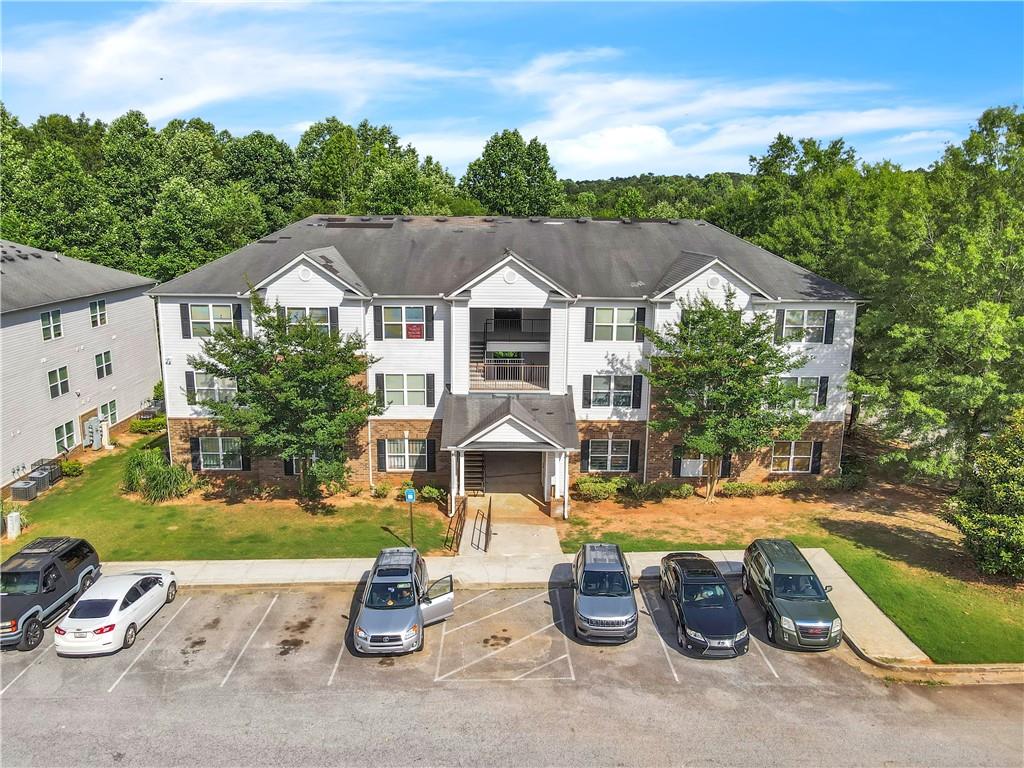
{"points": [[609, 455], [220, 452], [108, 411], [210, 387], [693, 464], [612, 390], [64, 436], [58, 379], [207, 319], [404, 322], [792, 455], [405, 389], [52, 326], [404, 454], [103, 365], [98, 312], [810, 386], [614, 323], [804, 325], [320, 316]]}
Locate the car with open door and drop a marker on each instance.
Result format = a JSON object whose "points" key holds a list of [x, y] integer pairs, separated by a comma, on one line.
{"points": [[398, 602], [708, 621], [112, 612]]}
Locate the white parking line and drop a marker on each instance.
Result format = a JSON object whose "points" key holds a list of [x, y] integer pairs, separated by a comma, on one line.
{"points": [[494, 653], [27, 668], [758, 646], [254, 631], [565, 634], [151, 641], [337, 661], [483, 594], [440, 651], [546, 664], [495, 613], [654, 624]]}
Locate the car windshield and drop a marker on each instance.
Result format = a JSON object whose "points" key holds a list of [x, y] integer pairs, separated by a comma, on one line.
{"points": [[806, 587], [706, 595], [390, 594], [604, 584], [19, 582], [92, 609]]}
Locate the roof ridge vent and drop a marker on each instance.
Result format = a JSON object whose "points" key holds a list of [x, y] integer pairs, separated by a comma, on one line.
{"points": [[366, 218], [626, 220], [673, 221], [488, 218], [407, 218], [440, 218], [582, 219], [37, 255], [22, 255], [534, 219], [267, 240]]}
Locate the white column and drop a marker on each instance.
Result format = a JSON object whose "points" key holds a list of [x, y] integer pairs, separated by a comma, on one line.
{"points": [[452, 485], [462, 473], [565, 486]]}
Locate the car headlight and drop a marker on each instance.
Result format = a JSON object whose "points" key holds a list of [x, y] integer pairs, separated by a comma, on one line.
{"points": [[837, 626], [361, 635], [741, 635], [412, 631], [631, 619], [787, 623], [695, 634]]}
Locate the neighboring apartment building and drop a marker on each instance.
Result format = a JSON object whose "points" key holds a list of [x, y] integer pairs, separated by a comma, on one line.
{"points": [[509, 355], [77, 340]]}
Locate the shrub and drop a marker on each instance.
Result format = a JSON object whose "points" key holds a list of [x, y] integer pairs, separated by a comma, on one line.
{"points": [[431, 493], [750, 490], [151, 475], [71, 468], [683, 491], [148, 426], [381, 490], [597, 488], [158, 390], [634, 489]]}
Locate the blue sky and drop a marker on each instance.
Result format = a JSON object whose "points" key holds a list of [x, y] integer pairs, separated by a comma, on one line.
{"points": [[613, 89]]}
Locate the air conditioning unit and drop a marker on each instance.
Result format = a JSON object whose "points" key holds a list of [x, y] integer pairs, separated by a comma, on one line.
{"points": [[55, 472], [41, 477], [23, 490]]}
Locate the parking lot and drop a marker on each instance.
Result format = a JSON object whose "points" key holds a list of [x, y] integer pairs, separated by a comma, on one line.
{"points": [[279, 665]]}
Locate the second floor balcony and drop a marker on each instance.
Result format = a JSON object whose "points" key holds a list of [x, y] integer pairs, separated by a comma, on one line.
{"points": [[505, 375]]}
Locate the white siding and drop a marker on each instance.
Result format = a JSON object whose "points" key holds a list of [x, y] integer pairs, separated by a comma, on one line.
{"points": [[713, 283], [458, 340], [559, 350], [29, 415], [525, 290]]}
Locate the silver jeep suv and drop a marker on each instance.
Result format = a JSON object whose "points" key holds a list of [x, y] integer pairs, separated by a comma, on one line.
{"points": [[604, 607]]}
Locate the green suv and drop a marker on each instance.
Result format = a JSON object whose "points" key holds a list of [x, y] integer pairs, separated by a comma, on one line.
{"points": [[798, 611]]}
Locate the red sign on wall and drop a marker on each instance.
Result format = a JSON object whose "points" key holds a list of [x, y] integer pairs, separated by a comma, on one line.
{"points": [[414, 331]]}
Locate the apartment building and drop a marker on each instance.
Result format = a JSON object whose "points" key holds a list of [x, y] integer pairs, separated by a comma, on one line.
{"points": [[509, 354], [78, 341]]}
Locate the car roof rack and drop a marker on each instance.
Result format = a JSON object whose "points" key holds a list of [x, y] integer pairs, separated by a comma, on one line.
{"points": [[45, 545], [607, 554]]}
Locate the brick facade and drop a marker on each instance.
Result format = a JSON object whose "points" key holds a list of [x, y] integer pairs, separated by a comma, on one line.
{"points": [[417, 429], [608, 430]]}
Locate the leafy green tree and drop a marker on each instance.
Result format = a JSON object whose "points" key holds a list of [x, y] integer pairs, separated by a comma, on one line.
{"points": [[236, 217], [13, 175], [195, 155], [663, 210], [84, 137], [267, 165], [179, 236], [329, 160], [133, 169], [300, 392], [718, 383], [394, 188], [512, 178], [631, 204]]}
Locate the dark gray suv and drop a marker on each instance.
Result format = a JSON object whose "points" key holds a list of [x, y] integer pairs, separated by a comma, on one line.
{"points": [[604, 607]]}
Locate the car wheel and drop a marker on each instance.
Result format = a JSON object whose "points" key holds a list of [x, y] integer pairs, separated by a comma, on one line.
{"points": [[746, 582], [86, 583], [129, 636], [31, 635], [680, 635], [172, 592], [769, 628]]}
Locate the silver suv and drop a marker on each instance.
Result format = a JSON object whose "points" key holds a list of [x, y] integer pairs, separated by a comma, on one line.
{"points": [[604, 607], [397, 603]]}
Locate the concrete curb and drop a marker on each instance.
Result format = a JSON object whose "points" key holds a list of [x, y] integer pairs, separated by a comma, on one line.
{"points": [[935, 669]]}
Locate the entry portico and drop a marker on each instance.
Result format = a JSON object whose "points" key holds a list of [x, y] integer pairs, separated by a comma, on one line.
{"points": [[476, 425]]}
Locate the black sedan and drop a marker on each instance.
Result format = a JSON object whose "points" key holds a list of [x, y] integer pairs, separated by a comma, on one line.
{"points": [[708, 622]]}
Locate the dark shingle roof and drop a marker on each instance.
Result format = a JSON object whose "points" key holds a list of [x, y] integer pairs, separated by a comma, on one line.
{"points": [[33, 277], [428, 256], [551, 416]]}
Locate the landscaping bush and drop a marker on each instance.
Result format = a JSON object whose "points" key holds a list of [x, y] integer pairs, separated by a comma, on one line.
{"points": [[431, 493], [381, 490], [148, 426], [71, 468], [597, 488], [634, 489], [148, 473], [683, 491], [750, 490]]}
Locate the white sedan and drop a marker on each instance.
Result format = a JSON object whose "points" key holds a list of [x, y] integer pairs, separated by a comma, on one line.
{"points": [[110, 614]]}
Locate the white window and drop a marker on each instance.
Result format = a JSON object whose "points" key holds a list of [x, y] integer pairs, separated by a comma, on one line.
{"points": [[406, 454], [319, 315], [65, 437], [612, 390], [792, 456], [405, 389], [810, 386], [108, 411], [404, 322], [804, 325], [58, 381], [221, 452], [614, 324], [52, 328], [103, 365], [609, 455], [207, 319], [209, 387], [693, 464], [98, 312]]}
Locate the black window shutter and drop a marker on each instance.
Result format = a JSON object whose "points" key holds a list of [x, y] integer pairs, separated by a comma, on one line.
{"points": [[816, 457], [587, 386], [378, 387], [638, 390], [428, 314], [588, 332], [430, 389], [378, 323], [822, 391], [677, 461], [236, 315], [830, 325], [190, 387], [634, 455], [641, 321], [333, 314], [246, 459], [382, 455], [431, 455], [289, 467], [726, 468], [780, 324], [193, 447], [585, 456], [186, 321]]}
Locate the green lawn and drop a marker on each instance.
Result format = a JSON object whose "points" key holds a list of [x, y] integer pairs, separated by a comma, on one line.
{"points": [[951, 620], [91, 507]]}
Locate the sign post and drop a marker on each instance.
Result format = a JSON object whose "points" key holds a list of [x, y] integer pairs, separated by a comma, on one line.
{"points": [[410, 496]]}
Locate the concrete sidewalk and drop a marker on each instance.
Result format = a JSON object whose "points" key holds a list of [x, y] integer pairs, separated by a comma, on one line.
{"points": [[864, 624]]}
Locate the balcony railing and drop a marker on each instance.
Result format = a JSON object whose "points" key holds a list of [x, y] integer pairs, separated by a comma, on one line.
{"points": [[511, 329], [503, 377]]}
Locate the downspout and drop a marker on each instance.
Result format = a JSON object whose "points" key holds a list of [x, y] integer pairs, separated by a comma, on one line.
{"points": [[369, 422], [647, 414]]}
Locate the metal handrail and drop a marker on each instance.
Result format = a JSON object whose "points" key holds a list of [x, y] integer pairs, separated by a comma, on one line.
{"points": [[522, 325], [515, 373], [487, 539], [456, 525]]}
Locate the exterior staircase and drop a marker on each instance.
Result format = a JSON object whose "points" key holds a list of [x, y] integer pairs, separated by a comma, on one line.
{"points": [[475, 472], [477, 355]]}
